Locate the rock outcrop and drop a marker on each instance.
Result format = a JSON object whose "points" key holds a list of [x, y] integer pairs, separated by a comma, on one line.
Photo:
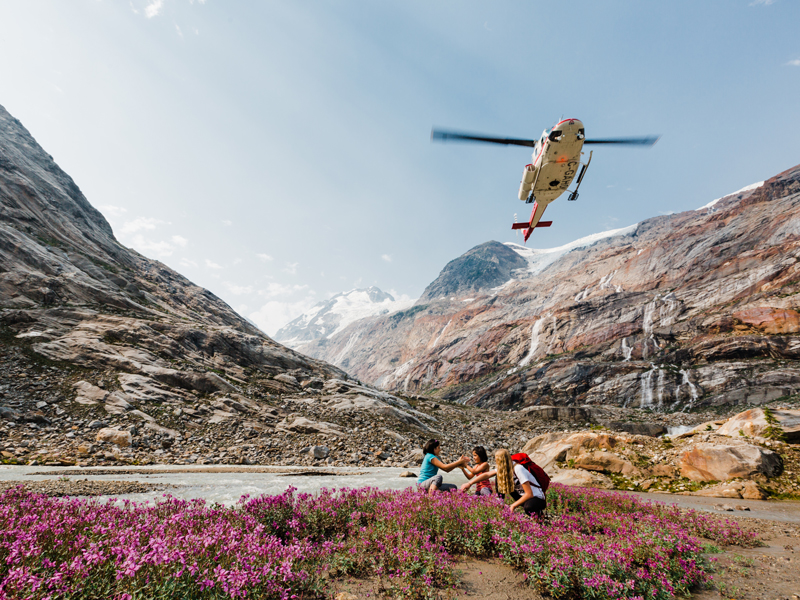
{"points": [[758, 422], [703, 462], [720, 462], [699, 308]]}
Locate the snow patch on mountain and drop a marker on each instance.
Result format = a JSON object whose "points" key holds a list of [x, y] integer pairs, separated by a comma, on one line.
{"points": [[747, 188], [540, 259]]}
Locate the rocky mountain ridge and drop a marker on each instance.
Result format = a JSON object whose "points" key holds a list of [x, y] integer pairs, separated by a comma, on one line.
{"points": [[698, 308], [76, 295], [483, 267]]}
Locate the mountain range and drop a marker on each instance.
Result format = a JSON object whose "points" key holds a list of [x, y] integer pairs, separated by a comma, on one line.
{"points": [[698, 308], [329, 317]]}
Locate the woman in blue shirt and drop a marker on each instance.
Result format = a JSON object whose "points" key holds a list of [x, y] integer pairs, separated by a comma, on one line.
{"points": [[429, 479]]}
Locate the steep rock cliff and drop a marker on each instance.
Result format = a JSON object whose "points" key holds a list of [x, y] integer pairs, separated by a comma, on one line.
{"points": [[71, 293]]}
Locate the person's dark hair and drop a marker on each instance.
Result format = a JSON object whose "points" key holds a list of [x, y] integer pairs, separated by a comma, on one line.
{"points": [[430, 446], [481, 452]]}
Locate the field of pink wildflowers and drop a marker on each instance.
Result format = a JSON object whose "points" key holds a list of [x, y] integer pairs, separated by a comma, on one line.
{"points": [[595, 545]]}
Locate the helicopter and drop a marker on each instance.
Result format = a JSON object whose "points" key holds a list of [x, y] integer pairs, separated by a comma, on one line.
{"points": [[556, 161]]}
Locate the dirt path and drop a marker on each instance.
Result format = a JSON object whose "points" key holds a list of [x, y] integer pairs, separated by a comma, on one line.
{"points": [[767, 573], [483, 579]]}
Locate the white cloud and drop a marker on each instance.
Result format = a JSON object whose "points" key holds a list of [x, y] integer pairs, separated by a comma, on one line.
{"points": [[134, 9], [139, 224], [237, 260], [212, 265], [404, 298], [227, 223], [113, 211], [275, 314], [387, 257], [185, 262], [133, 233], [238, 290], [279, 289], [764, 2], [264, 257], [153, 8], [178, 29], [148, 247], [291, 268], [794, 63]]}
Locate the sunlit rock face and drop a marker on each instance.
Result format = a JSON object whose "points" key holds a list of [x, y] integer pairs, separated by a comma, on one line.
{"points": [[681, 310], [72, 293]]}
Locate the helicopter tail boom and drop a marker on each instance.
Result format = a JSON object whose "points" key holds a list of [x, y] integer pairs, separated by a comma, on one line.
{"points": [[536, 214]]}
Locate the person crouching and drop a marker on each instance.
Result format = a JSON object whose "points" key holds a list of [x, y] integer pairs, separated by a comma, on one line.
{"points": [[515, 480], [429, 480]]}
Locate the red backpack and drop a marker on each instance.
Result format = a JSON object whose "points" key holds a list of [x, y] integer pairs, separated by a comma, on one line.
{"points": [[533, 469]]}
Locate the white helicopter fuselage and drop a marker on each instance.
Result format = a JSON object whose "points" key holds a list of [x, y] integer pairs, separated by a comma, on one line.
{"points": [[556, 163], [556, 159]]}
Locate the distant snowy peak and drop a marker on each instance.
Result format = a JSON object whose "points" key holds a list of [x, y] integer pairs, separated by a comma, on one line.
{"points": [[331, 316]]}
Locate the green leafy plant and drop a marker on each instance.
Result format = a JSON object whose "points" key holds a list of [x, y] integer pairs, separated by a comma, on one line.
{"points": [[774, 431]]}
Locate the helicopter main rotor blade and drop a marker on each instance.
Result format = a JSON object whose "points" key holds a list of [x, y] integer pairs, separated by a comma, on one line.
{"points": [[438, 134], [642, 141]]}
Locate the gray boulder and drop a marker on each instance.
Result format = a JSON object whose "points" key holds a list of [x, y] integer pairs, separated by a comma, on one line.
{"points": [[319, 452]]}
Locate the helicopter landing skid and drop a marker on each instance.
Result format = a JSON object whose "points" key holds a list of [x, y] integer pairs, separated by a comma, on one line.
{"points": [[574, 195]]}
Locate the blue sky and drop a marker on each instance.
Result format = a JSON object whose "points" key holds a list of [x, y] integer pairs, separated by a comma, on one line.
{"points": [[278, 153]]}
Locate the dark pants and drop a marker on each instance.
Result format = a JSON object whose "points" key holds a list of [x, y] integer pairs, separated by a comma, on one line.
{"points": [[534, 506]]}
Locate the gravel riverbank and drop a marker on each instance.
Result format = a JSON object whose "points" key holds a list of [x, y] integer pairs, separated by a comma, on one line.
{"points": [[86, 487]]}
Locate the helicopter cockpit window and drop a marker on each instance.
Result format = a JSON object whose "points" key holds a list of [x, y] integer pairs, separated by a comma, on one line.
{"points": [[556, 135]]}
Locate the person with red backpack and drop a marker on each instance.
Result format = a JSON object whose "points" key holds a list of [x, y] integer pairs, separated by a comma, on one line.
{"points": [[521, 478]]}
